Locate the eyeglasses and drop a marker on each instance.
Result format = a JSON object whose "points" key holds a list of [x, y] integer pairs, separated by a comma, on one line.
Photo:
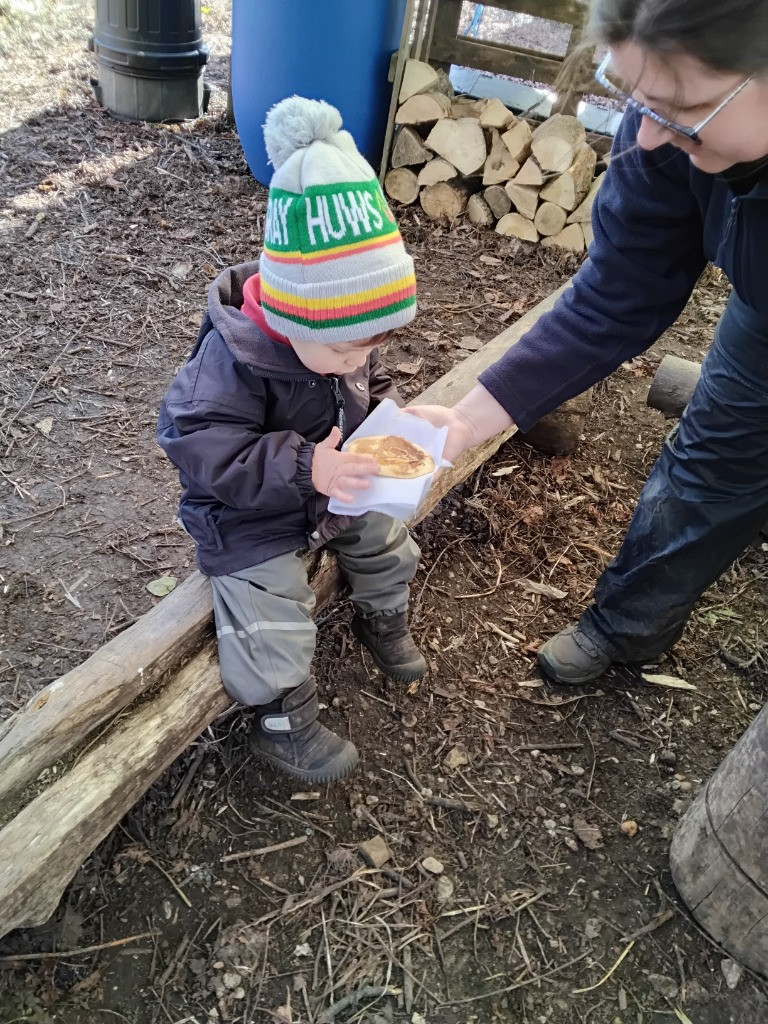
{"points": [[692, 134]]}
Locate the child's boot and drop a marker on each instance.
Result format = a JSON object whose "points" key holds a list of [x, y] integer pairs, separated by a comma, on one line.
{"points": [[287, 733], [387, 637]]}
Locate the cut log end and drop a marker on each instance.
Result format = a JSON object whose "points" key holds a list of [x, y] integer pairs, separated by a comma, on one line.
{"points": [[402, 185], [515, 226], [444, 201]]}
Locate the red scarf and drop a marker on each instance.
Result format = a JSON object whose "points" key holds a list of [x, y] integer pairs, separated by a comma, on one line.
{"points": [[252, 308]]}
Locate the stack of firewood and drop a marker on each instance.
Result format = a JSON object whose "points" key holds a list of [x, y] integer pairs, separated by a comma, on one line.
{"points": [[462, 157]]}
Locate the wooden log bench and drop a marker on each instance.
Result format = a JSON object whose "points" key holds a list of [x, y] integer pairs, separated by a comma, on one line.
{"points": [[101, 734]]}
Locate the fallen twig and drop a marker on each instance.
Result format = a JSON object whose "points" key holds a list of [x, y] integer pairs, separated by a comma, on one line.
{"points": [[657, 922], [76, 952], [259, 851], [605, 977], [365, 992]]}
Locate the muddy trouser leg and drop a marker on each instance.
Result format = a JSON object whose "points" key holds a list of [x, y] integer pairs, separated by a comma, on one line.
{"points": [[379, 558], [704, 502], [264, 628]]}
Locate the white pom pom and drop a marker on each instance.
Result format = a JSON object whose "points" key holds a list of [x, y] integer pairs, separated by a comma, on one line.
{"points": [[295, 123]]}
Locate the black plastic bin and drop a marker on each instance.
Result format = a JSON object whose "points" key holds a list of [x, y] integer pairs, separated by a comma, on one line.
{"points": [[151, 57]]}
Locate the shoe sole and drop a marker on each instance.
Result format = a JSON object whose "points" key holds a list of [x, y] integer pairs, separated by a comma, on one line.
{"points": [[329, 774]]}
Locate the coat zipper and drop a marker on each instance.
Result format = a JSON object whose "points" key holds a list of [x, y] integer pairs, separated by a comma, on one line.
{"points": [[341, 420]]}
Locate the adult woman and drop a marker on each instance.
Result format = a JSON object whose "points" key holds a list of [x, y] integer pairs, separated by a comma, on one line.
{"points": [[688, 183]]}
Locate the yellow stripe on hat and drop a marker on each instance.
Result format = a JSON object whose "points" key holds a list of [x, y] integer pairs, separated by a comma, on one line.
{"points": [[338, 301], [335, 251]]}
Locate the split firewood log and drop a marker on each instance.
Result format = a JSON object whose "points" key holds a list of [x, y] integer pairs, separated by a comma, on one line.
{"points": [[583, 212], [517, 139], [498, 200], [531, 174], [499, 165], [571, 237], [402, 185], [495, 115], [479, 212], [466, 106], [525, 198], [436, 170], [556, 142], [445, 200], [460, 142], [409, 150], [571, 188], [424, 108], [518, 227], [444, 85], [418, 77], [589, 235], [549, 219]]}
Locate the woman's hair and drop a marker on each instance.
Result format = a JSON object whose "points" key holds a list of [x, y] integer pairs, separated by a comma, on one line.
{"points": [[728, 35]]}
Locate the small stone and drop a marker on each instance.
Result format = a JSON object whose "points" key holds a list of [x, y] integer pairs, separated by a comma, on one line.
{"points": [[549, 823], [445, 889], [232, 980], [492, 820], [571, 843], [593, 927], [678, 806], [239, 993], [686, 787], [732, 972], [629, 828], [668, 757], [408, 721], [456, 758], [665, 986], [577, 770], [433, 866], [375, 851], [218, 965], [303, 950], [418, 1019]]}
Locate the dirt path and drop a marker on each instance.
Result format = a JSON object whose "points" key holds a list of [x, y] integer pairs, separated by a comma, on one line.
{"points": [[110, 236]]}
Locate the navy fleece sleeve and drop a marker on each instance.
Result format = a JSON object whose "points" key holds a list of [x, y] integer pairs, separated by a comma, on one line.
{"points": [[642, 267]]}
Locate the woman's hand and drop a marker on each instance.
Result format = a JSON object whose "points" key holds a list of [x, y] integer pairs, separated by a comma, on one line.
{"points": [[475, 418], [459, 433], [337, 473]]}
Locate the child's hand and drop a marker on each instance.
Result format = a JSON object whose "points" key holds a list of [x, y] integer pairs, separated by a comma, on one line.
{"points": [[336, 473]]}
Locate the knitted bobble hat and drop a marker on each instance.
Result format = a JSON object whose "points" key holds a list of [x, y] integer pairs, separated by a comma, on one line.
{"points": [[334, 267]]}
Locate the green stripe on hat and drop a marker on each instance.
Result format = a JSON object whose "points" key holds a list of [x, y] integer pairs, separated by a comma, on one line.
{"points": [[325, 217]]}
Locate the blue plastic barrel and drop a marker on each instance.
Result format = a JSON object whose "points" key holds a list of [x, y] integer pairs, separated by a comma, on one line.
{"points": [[333, 50]]}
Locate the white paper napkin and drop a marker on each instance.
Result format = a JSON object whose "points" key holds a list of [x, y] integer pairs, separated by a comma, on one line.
{"points": [[396, 498]]}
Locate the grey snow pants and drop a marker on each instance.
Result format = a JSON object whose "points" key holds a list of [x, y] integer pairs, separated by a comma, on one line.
{"points": [[263, 614]]}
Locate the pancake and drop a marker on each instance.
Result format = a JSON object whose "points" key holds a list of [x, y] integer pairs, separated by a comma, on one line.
{"points": [[396, 456]]}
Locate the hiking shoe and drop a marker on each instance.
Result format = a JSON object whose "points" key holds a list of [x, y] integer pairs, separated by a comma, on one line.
{"points": [[572, 658], [287, 733], [387, 637]]}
